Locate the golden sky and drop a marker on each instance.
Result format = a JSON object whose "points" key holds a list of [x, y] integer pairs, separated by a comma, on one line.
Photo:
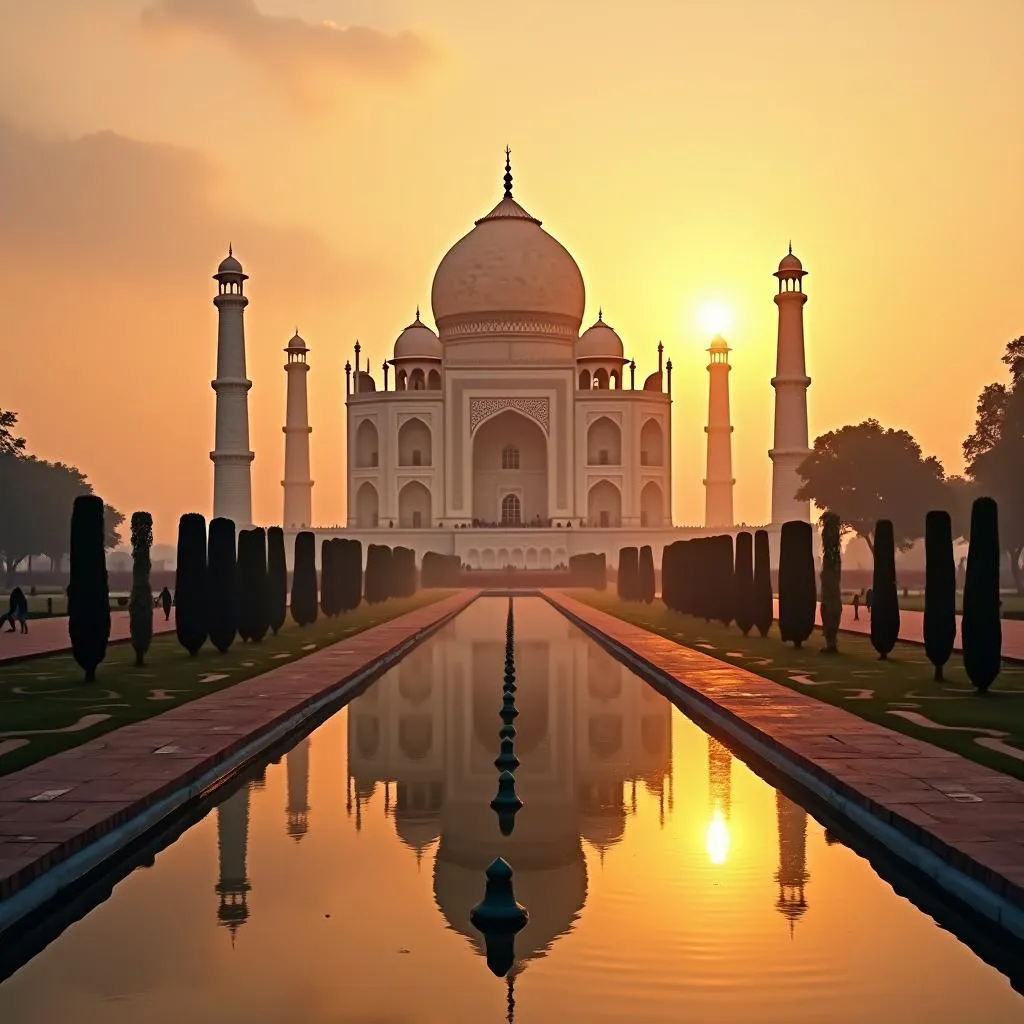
{"points": [[344, 145]]}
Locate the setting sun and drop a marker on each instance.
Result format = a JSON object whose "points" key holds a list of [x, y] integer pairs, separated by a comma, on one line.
{"points": [[714, 317]]}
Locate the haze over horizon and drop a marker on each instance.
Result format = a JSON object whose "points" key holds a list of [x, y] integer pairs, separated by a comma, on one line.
{"points": [[343, 147]]}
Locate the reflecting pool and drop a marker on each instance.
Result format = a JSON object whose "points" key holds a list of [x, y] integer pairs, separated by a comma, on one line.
{"points": [[665, 881]]}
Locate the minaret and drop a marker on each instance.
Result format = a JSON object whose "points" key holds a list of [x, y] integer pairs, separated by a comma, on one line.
{"points": [[298, 488], [297, 769], [232, 842], [719, 482], [792, 875], [232, 459], [791, 383]]}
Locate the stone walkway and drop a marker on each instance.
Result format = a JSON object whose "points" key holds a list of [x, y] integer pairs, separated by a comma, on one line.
{"points": [[58, 806], [49, 636], [912, 629], [970, 816]]}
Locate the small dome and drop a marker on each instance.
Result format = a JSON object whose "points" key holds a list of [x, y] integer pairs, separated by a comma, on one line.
{"points": [[229, 265], [653, 382], [296, 341], [599, 342], [364, 382], [790, 265], [417, 341]]}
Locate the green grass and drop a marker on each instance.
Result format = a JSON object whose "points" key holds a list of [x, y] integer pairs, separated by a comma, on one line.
{"points": [[48, 692], [855, 679]]}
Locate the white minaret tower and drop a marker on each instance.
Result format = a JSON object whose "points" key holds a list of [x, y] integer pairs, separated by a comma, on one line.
{"points": [[232, 459], [298, 488], [791, 383], [719, 482]]}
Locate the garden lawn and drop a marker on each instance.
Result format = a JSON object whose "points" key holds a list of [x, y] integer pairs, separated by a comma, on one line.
{"points": [[45, 702], [859, 682]]}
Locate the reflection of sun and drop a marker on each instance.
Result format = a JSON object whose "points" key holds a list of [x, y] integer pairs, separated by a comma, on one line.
{"points": [[717, 838], [714, 317]]}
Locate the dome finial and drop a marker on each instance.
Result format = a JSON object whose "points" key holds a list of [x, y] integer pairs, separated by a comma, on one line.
{"points": [[230, 250], [600, 315], [791, 247], [508, 173], [417, 312]]}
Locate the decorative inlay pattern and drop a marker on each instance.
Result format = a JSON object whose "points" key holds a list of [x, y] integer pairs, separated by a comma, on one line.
{"points": [[537, 409], [494, 326]]}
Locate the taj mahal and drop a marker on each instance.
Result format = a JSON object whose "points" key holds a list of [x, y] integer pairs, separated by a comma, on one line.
{"points": [[508, 435]]}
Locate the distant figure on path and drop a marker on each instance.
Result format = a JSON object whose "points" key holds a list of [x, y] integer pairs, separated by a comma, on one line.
{"points": [[21, 612], [867, 601], [856, 606], [165, 602], [12, 610]]}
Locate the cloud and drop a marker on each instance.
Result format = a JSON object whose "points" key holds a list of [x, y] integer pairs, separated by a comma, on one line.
{"points": [[290, 48]]}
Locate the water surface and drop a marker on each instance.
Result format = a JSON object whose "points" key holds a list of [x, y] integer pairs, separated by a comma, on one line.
{"points": [[665, 881]]}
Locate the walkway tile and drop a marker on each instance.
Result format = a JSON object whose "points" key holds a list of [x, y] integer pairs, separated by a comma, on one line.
{"points": [[969, 815], [94, 788], [50, 636]]}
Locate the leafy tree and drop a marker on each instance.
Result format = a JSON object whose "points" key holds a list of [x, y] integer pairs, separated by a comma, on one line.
{"points": [[140, 602], [277, 579], [939, 590], [304, 588], [10, 444], [222, 584], [88, 592], [831, 585], [994, 454], [865, 471], [645, 575], [764, 599], [797, 591], [885, 602], [981, 629], [190, 583]]}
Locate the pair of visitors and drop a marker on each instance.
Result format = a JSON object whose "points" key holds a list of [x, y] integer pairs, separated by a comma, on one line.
{"points": [[17, 611]]}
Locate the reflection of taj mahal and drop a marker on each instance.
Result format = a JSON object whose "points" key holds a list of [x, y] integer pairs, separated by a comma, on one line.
{"points": [[586, 728], [508, 436]]}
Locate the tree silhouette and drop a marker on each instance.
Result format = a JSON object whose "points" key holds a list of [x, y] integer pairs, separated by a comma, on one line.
{"points": [[994, 454], [866, 472], [9, 443]]}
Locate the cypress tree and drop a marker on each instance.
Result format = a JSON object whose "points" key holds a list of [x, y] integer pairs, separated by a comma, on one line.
{"points": [[685, 570], [629, 570], [245, 616], [764, 599], [351, 574], [798, 596], [190, 583], [939, 590], [668, 580], [885, 602], [645, 575], [277, 579], [140, 603], [261, 601], [831, 581], [743, 582], [304, 596], [705, 583], [222, 586], [725, 581], [88, 592], [326, 577], [981, 629]]}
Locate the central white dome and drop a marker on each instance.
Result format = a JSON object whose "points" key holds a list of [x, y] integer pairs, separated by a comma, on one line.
{"points": [[508, 265]]}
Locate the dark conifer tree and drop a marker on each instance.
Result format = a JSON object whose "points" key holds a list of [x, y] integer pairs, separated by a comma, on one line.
{"points": [[646, 583], [222, 584], [764, 599], [277, 579], [351, 574], [725, 580], [668, 576], [246, 617], [191, 613], [798, 595], [939, 590], [981, 629], [831, 581], [743, 580], [140, 601], [88, 592], [304, 589], [327, 577], [885, 602], [629, 573]]}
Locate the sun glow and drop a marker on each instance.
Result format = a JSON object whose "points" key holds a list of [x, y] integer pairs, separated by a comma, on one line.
{"points": [[717, 838], [714, 317]]}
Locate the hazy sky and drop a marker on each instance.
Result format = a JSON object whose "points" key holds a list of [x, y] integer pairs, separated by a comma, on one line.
{"points": [[673, 147]]}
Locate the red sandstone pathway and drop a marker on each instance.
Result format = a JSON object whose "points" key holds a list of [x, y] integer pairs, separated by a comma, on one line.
{"points": [[49, 636], [912, 629], [52, 809], [969, 815]]}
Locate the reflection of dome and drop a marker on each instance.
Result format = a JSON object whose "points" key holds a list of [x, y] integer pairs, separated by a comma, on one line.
{"points": [[599, 342], [417, 341], [417, 832], [602, 813], [604, 830], [508, 264]]}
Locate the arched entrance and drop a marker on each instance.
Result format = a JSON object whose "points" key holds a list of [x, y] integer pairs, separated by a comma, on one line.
{"points": [[510, 460], [604, 505], [652, 506], [367, 445], [367, 506], [414, 506], [414, 443], [604, 443]]}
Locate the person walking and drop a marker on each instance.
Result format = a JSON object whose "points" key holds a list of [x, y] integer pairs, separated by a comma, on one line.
{"points": [[21, 612], [867, 601], [165, 600], [12, 610], [856, 606]]}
